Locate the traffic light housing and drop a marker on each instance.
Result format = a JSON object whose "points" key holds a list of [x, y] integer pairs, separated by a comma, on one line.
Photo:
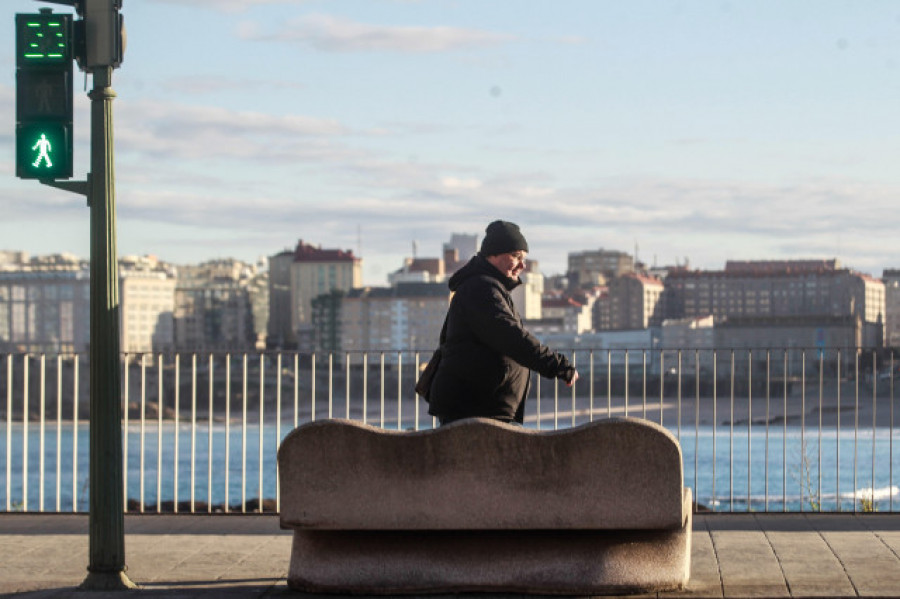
{"points": [[44, 92]]}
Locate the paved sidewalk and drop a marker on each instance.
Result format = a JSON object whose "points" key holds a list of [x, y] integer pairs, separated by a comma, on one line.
{"points": [[182, 556]]}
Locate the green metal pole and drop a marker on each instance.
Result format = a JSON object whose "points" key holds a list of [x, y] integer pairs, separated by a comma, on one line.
{"points": [[106, 566]]}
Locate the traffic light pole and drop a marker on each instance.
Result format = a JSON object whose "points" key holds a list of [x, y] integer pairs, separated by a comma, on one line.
{"points": [[44, 54], [106, 565]]}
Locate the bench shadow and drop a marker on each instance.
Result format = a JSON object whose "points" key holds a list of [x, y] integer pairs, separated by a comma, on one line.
{"points": [[798, 522]]}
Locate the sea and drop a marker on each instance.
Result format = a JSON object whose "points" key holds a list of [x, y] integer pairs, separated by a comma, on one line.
{"points": [[230, 466]]}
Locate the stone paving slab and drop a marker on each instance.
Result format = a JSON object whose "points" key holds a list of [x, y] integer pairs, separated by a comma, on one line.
{"points": [[175, 556]]}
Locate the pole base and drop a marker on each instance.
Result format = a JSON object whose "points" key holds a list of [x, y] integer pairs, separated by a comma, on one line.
{"points": [[107, 581]]}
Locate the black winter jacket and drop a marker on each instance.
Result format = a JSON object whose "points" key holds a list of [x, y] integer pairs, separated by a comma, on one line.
{"points": [[487, 353]]}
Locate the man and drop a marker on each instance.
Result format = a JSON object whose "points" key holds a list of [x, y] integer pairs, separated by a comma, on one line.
{"points": [[487, 354]]}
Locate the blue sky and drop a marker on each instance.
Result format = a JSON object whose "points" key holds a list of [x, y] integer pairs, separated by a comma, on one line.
{"points": [[700, 130]]}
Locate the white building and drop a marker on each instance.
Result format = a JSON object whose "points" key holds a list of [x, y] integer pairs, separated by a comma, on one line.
{"points": [[891, 278], [147, 305], [44, 303]]}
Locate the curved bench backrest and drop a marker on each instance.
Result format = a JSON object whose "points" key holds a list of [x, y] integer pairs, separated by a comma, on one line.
{"points": [[481, 474]]}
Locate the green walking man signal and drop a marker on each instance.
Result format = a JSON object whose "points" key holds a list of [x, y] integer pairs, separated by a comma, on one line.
{"points": [[44, 95]]}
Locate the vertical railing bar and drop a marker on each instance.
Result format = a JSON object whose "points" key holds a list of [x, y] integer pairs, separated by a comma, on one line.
{"points": [[590, 387], [626, 383], [277, 433], [193, 431], [347, 384], [312, 388], [731, 439], [227, 506], [244, 389], [143, 431], [25, 389], [59, 391], [399, 390], [177, 425], [837, 432], [159, 431], [296, 389], [209, 434], [856, 429], [75, 398], [715, 422], [381, 360], [696, 424], [125, 411], [784, 419], [679, 395], [821, 404], [644, 384], [874, 429], [768, 422], [262, 436], [609, 383], [365, 387], [803, 470], [749, 426], [891, 437], [574, 404], [42, 412], [662, 384], [415, 395], [9, 411], [555, 404], [330, 385]]}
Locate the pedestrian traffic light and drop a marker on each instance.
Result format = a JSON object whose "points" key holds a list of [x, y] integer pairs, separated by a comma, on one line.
{"points": [[44, 95]]}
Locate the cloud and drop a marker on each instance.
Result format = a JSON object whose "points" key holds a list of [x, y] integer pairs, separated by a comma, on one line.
{"points": [[210, 132], [233, 6], [210, 85], [335, 34]]}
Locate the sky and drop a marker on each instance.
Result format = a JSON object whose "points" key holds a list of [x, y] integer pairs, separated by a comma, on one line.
{"points": [[698, 131]]}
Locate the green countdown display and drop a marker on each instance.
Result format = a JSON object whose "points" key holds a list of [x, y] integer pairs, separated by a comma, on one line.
{"points": [[43, 39]]}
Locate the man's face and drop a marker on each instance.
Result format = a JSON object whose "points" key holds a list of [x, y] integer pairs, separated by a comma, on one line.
{"points": [[510, 264]]}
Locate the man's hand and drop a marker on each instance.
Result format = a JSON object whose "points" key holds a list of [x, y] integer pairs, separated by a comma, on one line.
{"points": [[571, 381]]}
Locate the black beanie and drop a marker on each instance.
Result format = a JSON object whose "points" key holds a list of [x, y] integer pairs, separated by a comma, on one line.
{"points": [[502, 237]]}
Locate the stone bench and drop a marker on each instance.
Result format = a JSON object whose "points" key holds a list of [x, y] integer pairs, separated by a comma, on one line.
{"points": [[479, 505]]}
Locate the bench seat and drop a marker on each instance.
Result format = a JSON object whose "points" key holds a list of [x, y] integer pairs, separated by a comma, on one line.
{"points": [[480, 505]]}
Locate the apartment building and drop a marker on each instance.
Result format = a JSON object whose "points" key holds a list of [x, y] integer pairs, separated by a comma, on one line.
{"points": [[528, 297], [564, 313], [405, 316], [147, 305], [635, 302], [781, 290], [459, 250], [688, 333], [298, 276], [891, 279], [419, 270], [597, 267], [44, 303], [220, 305]]}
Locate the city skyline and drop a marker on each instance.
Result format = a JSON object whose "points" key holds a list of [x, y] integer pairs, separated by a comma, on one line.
{"points": [[701, 131]]}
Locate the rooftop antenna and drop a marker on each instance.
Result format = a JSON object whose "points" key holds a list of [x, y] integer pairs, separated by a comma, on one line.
{"points": [[415, 248]]}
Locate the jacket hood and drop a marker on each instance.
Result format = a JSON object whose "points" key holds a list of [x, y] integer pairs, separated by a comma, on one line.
{"points": [[478, 266]]}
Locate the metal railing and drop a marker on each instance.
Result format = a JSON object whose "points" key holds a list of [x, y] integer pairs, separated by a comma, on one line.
{"points": [[760, 429]]}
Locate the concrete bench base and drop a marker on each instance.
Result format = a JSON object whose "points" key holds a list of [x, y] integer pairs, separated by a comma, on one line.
{"points": [[482, 506], [541, 562]]}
